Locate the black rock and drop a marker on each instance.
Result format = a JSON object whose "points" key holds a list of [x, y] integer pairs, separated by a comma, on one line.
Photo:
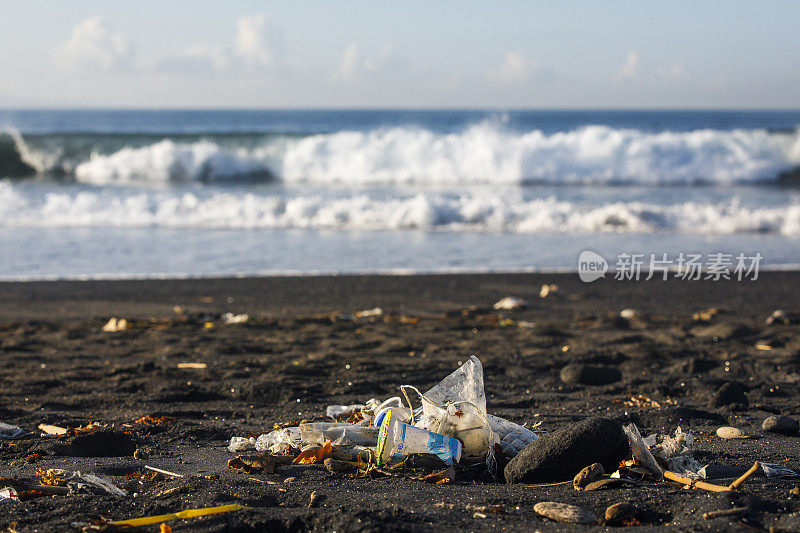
{"points": [[559, 456], [580, 374], [98, 444], [731, 394], [784, 425]]}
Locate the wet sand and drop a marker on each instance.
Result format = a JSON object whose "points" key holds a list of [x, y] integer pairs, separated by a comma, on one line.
{"points": [[292, 359]]}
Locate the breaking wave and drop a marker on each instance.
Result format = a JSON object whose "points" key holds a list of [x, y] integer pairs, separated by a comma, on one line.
{"points": [[485, 153], [499, 211]]}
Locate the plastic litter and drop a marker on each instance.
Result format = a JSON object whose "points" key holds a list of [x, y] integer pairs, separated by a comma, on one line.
{"points": [[188, 513], [82, 483], [641, 453], [9, 432], [338, 434], [8, 494], [451, 421], [778, 470], [379, 410], [279, 441], [403, 414], [336, 411], [398, 440], [239, 444], [513, 437], [230, 318]]}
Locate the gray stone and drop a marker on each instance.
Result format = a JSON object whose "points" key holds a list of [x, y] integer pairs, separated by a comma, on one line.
{"points": [[563, 512], [784, 425], [731, 394]]}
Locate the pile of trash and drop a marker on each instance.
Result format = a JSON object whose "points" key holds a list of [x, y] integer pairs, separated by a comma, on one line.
{"points": [[449, 425]]}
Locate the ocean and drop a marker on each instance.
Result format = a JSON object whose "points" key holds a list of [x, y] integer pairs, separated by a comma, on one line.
{"points": [[149, 194]]}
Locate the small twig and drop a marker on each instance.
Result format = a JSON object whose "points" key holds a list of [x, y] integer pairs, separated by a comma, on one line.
{"points": [[672, 476], [165, 472], [724, 512], [743, 478], [549, 484]]}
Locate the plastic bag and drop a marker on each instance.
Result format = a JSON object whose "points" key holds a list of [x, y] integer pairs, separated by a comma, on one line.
{"points": [[279, 441], [513, 437], [457, 407]]}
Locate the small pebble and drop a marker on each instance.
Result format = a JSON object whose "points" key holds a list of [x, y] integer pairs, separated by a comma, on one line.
{"points": [[727, 432], [619, 512], [630, 314], [562, 512], [590, 473], [784, 425]]}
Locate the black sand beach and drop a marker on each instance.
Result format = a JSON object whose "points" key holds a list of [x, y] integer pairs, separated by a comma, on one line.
{"points": [[296, 355]]}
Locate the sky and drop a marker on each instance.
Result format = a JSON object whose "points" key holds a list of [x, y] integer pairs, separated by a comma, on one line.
{"points": [[412, 54]]}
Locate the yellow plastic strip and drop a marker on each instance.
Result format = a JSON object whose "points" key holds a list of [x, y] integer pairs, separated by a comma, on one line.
{"points": [[188, 513]]}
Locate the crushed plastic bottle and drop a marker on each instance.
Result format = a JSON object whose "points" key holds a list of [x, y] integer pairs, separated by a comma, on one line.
{"points": [[338, 433]]}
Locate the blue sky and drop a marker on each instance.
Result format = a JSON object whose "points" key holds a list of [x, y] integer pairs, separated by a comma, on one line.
{"points": [[577, 54]]}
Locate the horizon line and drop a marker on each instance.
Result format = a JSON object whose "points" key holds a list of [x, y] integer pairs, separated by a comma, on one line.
{"points": [[404, 109]]}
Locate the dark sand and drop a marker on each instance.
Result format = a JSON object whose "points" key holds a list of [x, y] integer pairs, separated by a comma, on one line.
{"points": [[58, 367]]}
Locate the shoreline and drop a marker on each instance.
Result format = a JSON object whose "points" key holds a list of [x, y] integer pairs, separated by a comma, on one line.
{"points": [[60, 300]]}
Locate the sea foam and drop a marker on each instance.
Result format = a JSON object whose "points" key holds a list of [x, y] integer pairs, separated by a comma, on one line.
{"points": [[485, 153], [479, 211]]}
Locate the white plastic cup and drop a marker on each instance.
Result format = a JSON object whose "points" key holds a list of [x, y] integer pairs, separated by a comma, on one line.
{"points": [[396, 441]]}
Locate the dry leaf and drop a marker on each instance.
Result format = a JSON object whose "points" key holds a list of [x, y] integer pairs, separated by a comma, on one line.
{"points": [[313, 455], [253, 463]]}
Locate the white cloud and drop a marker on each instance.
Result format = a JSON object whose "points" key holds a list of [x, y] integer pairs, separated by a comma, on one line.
{"points": [[257, 40], [515, 68], [93, 45], [349, 63], [675, 72], [197, 58], [629, 69], [384, 61]]}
